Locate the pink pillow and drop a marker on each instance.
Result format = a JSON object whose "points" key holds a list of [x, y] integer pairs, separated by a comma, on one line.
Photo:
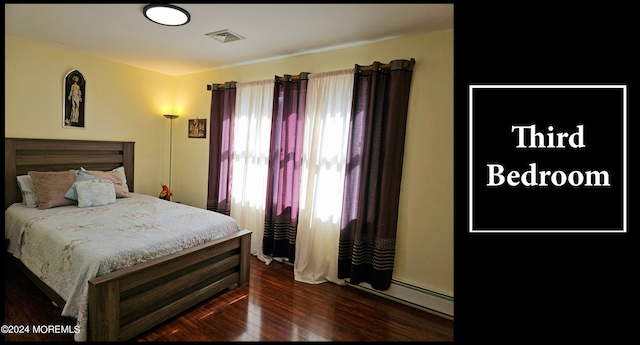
{"points": [[51, 187], [114, 176]]}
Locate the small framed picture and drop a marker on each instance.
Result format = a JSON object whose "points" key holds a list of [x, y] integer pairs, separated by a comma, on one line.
{"points": [[198, 128], [73, 100]]}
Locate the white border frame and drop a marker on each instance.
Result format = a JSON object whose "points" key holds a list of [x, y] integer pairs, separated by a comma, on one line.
{"points": [[624, 154]]}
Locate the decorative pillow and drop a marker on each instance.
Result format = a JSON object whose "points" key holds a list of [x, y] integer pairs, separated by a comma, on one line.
{"points": [[113, 176], [95, 193], [51, 187], [29, 195], [80, 176], [124, 177]]}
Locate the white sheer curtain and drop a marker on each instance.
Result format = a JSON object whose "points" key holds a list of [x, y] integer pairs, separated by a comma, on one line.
{"points": [[326, 134], [252, 130]]}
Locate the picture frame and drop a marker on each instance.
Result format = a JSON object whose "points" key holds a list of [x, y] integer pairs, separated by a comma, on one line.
{"points": [[197, 128], [74, 86]]}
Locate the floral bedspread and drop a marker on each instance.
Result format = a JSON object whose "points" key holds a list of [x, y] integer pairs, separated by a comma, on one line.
{"points": [[68, 246]]}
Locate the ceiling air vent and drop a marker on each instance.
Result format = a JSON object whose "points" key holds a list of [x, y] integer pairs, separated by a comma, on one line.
{"points": [[225, 36]]}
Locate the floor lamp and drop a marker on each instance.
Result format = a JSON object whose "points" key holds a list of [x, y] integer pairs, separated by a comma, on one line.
{"points": [[171, 117]]}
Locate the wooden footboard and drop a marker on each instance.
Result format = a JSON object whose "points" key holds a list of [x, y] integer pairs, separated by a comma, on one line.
{"points": [[127, 302]]}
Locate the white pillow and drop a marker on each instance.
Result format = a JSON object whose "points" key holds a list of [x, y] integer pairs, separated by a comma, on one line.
{"points": [[124, 176], [29, 195], [95, 193]]}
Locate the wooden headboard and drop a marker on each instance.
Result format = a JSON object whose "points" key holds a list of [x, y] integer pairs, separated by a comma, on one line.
{"points": [[22, 155]]}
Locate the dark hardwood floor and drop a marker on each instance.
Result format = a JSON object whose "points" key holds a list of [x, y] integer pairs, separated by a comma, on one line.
{"points": [[273, 307]]}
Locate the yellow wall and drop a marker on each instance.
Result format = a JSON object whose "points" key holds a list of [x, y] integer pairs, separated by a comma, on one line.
{"points": [[127, 103], [121, 103]]}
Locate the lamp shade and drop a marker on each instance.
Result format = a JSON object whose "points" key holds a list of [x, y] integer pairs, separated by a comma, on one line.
{"points": [[170, 116], [165, 14]]}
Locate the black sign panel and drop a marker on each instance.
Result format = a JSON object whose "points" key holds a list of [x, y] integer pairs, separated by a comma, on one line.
{"points": [[547, 158]]}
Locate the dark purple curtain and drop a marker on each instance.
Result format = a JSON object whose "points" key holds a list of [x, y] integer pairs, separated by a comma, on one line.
{"points": [[374, 169], [285, 162], [223, 107]]}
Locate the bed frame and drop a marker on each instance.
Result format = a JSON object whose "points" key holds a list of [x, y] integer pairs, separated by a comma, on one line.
{"points": [[128, 302]]}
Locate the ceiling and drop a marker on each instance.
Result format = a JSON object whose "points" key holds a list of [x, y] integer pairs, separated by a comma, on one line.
{"points": [[121, 33]]}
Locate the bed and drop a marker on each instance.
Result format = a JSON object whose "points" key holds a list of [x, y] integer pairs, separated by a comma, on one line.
{"points": [[125, 292]]}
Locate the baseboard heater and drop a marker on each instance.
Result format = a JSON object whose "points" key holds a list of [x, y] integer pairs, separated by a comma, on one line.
{"points": [[408, 294], [415, 296]]}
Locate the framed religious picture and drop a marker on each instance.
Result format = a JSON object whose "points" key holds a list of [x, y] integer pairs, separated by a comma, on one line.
{"points": [[198, 128], [73, 100]]}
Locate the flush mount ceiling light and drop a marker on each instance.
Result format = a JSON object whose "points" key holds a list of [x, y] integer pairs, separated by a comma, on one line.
{"points": [[165, 14]]}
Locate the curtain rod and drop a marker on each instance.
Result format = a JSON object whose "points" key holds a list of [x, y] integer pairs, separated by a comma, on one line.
{"points": [[293, 77], [412, 63], [221, 86], [217, 86], [229, 84], [287, 77], [369, 68]]}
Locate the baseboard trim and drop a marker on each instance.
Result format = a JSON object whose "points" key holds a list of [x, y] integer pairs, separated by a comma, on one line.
{"points": [[415, 296]]}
